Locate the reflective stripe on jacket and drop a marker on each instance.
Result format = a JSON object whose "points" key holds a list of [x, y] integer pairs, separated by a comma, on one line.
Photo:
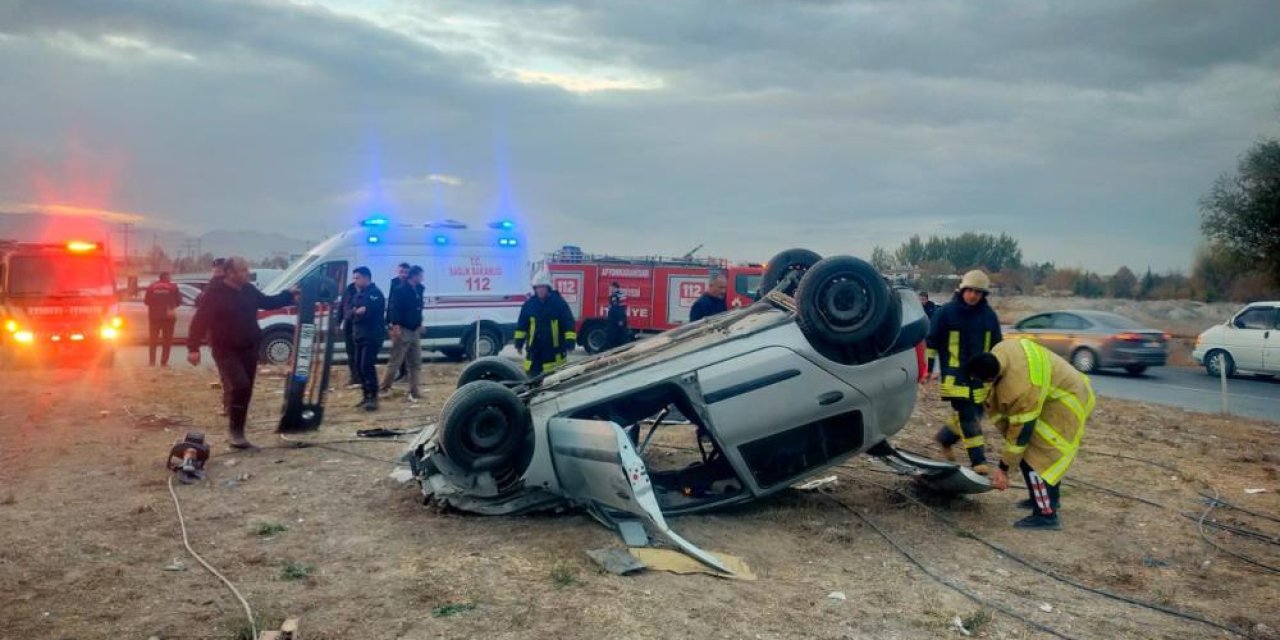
{"points": [[1036, 385], [958, 332]]}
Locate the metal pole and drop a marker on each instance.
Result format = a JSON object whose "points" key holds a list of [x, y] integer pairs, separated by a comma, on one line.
{"points": [[477, 351], [1222, 374]]}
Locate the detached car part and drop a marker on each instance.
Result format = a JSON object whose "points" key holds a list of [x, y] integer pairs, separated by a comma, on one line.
{"points": [[823, 368]]}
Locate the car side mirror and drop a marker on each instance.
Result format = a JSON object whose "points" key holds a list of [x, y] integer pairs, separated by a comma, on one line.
{"points": [[1237, 323]]}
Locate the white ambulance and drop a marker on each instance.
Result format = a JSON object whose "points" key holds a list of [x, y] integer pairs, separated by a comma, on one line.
{"points": [[475, 279]]}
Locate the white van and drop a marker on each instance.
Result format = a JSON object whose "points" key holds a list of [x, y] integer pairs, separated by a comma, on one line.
{"points": [[1249, 341], [475, 279]]}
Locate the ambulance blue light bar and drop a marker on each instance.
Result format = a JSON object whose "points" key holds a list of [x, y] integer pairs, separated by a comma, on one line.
{"points": [[376, 221], [373, 239], [442, 240], [505, 225], [508, 242]]}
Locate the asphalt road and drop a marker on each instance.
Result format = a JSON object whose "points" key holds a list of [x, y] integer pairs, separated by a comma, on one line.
{"points": [[1193, 390]]}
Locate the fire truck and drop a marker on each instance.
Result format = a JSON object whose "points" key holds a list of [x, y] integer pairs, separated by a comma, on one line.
{"points": [[57, 304], [659, 290]]}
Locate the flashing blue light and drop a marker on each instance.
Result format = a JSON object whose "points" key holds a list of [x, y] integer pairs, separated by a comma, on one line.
{"points": [[442, 240], [373, 239], [377, 221], [506, 225], [508, 242]]}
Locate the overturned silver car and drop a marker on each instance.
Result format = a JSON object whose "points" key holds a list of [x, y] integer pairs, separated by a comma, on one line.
{"points": [[823, 367]]}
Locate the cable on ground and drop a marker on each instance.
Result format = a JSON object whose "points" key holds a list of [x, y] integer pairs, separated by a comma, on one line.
{"points": [[1239, 556], [186, 542], [943, 579]]}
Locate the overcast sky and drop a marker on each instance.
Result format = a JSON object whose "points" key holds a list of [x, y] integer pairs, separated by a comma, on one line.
{"points": [[1087, 130]]}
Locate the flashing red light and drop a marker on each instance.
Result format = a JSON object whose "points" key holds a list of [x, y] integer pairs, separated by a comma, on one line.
{"points": [[78, 246]]}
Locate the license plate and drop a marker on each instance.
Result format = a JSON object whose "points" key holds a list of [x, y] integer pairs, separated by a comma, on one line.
{"points": [[1153, 344]]}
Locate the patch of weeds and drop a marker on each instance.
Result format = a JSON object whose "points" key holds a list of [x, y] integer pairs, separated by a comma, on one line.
{"points": [[563, 576], [976, 620], [296, 571], [270, 529], [452, 609], [965, 533]]}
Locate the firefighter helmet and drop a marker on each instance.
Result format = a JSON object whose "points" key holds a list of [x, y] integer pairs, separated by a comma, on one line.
{"points": [[975, 279], [541, 279]]}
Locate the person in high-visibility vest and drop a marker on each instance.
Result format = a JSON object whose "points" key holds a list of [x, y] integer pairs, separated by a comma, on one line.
{"points": [[1040, 403], [958, 331], [545, 332]]}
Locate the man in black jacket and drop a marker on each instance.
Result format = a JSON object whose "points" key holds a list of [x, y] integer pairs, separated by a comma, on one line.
{"points": [[617, 334], [228, 314], [402, 276], [930, 307], [545, 332], [712, 302], [348, 341], [368, 328], [404, 315], [961, 329]]}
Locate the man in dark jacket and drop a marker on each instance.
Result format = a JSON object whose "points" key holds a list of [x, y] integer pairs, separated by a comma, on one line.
{"points": [[712, 302], [929, 308], [545, 332], [348, 341], [228, 314], [961, 329], [617, 334], [218, 271], [162, 298], [402, 276], [404, 315], [368, 329]]}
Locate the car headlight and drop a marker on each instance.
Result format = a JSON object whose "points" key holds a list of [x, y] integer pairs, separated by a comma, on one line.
{"points": [[24, 337], [117, 322], [110, 333]]}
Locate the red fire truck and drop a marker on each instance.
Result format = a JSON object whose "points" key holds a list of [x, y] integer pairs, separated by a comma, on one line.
{"points": [[659, 290]]}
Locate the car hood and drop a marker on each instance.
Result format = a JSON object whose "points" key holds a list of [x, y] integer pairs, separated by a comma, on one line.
{"points": [[1213, 332]]}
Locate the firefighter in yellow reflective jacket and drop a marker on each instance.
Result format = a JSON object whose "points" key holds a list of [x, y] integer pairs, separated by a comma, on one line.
{"points": [[958, 331], [1041, 403], [545, 331]]}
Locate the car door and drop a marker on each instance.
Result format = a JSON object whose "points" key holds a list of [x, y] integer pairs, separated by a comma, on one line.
{"points": [[1038, 328], [1068, 329], [1271, 346], [1247, 334]]}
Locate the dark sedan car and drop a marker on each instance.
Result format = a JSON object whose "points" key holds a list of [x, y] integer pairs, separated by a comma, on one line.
{"points": [[1094, 340]]}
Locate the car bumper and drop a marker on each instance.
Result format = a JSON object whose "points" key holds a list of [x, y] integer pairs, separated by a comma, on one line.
{"points": [[1122, 357], [1198, 355]]}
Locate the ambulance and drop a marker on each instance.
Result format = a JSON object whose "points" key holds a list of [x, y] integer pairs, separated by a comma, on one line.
{"points": [[476, 279]]}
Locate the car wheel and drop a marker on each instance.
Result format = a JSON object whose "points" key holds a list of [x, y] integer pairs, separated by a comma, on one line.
{"points": [[786, 269], [489, 344], [277, 347], [493, 368], [481, 426], [594, 337], [1084, 360], [1215, 361], [842, 300], [1135, 369]]}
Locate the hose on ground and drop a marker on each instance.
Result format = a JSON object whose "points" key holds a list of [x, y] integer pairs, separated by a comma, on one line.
{"points": [[186, 542]]}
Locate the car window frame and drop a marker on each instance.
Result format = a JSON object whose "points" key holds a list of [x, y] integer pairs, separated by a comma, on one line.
{"points": [[1236, 321], [1078, 321], [1022, 326]]}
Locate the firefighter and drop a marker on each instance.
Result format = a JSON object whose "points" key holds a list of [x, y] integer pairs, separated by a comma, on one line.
{"points": [[162, 298], [228, 314], [712, 301], [617, 333], [368, 329], [1040, 403], [929, 307], [404, 314], [544, 332], [961, 329]]}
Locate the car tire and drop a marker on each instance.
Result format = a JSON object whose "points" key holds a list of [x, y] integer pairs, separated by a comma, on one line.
{"points": [[276, 347], [490, 343], [1215, 359], [482, 425], [843, 301], [1135, 369], [1084, 360], [492, 368], [792, 262], [594, 337]]}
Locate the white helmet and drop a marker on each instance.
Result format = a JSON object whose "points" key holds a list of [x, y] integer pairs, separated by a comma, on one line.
{"points": [[975, 279], [541, 279]]}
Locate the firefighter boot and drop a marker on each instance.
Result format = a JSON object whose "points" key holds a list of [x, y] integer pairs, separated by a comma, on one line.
{"points": [[1040, 521], [947, 440]]}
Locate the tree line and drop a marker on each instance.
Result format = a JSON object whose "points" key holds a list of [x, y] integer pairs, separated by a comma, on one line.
{"points": [[1240, 260]]}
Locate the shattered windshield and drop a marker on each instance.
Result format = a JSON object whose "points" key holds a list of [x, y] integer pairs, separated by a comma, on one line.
{"points": [[64, 274]]}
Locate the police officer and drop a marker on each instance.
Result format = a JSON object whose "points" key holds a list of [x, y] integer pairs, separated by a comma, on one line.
{"points": [[617, 333], [1040, 403], [960, 330], [368, 329], [228, 314], [162, 298], [348, 341], [712, 301], [545, 331]]}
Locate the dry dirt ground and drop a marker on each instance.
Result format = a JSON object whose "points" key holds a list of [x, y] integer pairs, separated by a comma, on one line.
{"points": [[89, 539]]}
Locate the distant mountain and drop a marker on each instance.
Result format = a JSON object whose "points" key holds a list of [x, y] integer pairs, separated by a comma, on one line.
{"points": [[253, 245]]}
